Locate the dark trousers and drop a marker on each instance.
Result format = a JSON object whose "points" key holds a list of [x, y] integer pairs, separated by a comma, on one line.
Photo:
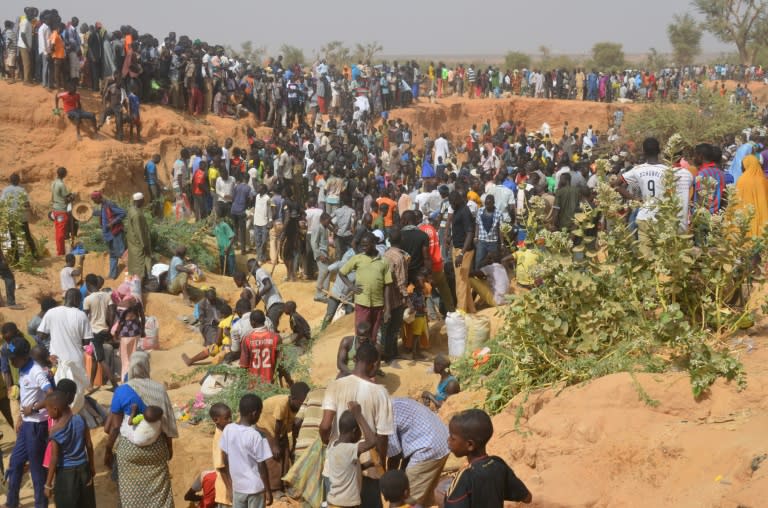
{"points": [[30, 447], [274, 312], [370, 495], [95, 74], [71, 489], [240, 231], [117, 112], [342, 245], [390, 332], [116, 250], [10, 288]]}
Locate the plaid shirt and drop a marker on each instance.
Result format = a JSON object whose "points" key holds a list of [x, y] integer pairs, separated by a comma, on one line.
{"points": [[491, 235], [419, 435]]}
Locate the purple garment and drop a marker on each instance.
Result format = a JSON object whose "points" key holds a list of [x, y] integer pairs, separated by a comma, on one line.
{"points": [[764, 155]]}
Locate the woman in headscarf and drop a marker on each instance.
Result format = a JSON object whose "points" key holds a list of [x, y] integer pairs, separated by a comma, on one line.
{"points": [[752, 191], [142, 472]]}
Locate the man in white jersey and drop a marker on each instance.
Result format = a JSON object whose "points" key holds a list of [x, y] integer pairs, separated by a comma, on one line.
{"points": [[649, 178]]}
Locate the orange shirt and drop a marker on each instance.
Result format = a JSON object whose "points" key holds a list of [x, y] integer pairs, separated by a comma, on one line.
{"points": [[389, 218], [57, 46]]}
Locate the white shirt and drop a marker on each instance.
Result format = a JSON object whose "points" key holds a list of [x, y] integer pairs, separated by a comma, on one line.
{"points": [[313, 217], [344, 473], [44, 39], [225, 189], [441, 150], [683, 183], [96, 306], [649, 179], [272, 296], [498, 280], [239, 330], [32, 387], [68, 327], [421, 202], [261, 210], [245, 449], [66, 279]]}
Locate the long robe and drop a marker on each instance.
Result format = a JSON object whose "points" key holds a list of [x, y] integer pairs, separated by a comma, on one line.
{"points": [[138, 242], [752, 191]]}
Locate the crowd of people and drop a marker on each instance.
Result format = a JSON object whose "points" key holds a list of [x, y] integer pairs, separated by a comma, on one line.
{"points": [[397, 227]]}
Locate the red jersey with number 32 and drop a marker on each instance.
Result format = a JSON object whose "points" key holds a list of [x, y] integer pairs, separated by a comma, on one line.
{"points": [[258, 354]]}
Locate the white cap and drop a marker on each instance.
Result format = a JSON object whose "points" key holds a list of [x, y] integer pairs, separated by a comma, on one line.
{"points": [[379, 234], [138, 196]]}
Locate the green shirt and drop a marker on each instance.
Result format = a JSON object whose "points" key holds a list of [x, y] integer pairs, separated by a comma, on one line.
{"points": [[372, 274], [224, 235], [59, 195]]}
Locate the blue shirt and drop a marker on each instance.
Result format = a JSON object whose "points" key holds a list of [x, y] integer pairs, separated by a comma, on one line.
{"points": [[124, 398], [150, 174], [71, 441], [118, 214], [240, 198], [172, 271]]}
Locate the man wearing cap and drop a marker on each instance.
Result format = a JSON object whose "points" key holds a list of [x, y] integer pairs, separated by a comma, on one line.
{"points": [[32, 435], [137, 239], [112, 230]]}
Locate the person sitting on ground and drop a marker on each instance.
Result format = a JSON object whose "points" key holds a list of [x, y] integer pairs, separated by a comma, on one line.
{"points": [[73, 109], [144, 428], [487, 481], [491, 281], [345, 359], [179, 273], [396, 489], [301, 333], [70, 275], [447, 386], [343, 467], [220, 348]]}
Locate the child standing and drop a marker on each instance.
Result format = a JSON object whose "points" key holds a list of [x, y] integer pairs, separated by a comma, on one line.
{"points": [[69, 277], [33, 433], [344, 470], [130, 329], [221, 415], [418, 330], [72, 464], [485, 482], [245, 452]]}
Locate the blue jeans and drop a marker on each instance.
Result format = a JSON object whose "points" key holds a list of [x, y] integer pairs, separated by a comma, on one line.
{"points": [[30, 447], [116, 249], [261, 237], [482, 249]]}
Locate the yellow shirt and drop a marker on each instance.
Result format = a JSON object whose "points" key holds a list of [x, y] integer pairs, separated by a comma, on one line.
{"points": [[225, 325], [474, 196], [213, 174], [526, 262], [276, 409]]}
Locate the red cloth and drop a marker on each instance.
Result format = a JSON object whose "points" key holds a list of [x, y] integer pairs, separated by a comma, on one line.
{"points": [[371, 315], [61, 222], [69, 101], [434, 247], [209, 491], [258, 354]]}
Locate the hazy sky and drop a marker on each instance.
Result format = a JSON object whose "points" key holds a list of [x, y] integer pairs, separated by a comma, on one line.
{"points": [[447, 27]]}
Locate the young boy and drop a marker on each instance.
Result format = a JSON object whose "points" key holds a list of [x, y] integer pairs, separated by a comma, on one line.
{"points": [[418, 330], [301, 333], [344, 469], [134, 112], [396, 489], [70, 274], [221, 415], [447, 386], [72, 463], [245, 452], [33, 432], [485, 482]]}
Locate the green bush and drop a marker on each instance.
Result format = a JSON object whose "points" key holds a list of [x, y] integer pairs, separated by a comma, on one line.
{"points": [[603, 308], [166, 235]]}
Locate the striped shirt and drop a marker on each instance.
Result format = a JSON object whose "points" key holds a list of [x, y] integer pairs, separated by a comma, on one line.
{"points": [[471, 75]]}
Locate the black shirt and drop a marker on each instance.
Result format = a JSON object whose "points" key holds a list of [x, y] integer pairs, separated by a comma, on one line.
{"points": [[463, 224], [486, 483], [413, 241]]}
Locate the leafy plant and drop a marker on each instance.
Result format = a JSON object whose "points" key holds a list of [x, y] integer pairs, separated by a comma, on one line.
{"points": [[604, 307], [166, 234], [12, 239]]}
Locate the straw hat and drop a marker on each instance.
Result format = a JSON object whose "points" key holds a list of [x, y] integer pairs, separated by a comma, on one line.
{"points": [[82, 211]]}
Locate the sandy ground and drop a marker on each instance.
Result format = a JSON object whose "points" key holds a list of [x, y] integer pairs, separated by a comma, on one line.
{"points": [[591, 445]]}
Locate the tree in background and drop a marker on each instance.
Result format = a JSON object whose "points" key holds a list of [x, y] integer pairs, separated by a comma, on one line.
{"points": [[366, 52], [655, 60], [608, 55], [335, 53], [250, 53], [292, 55], [685, 37], [517, 60], [741, 22]]}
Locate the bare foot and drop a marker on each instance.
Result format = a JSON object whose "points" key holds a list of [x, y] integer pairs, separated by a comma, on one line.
{"points": [[186, 359]]}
